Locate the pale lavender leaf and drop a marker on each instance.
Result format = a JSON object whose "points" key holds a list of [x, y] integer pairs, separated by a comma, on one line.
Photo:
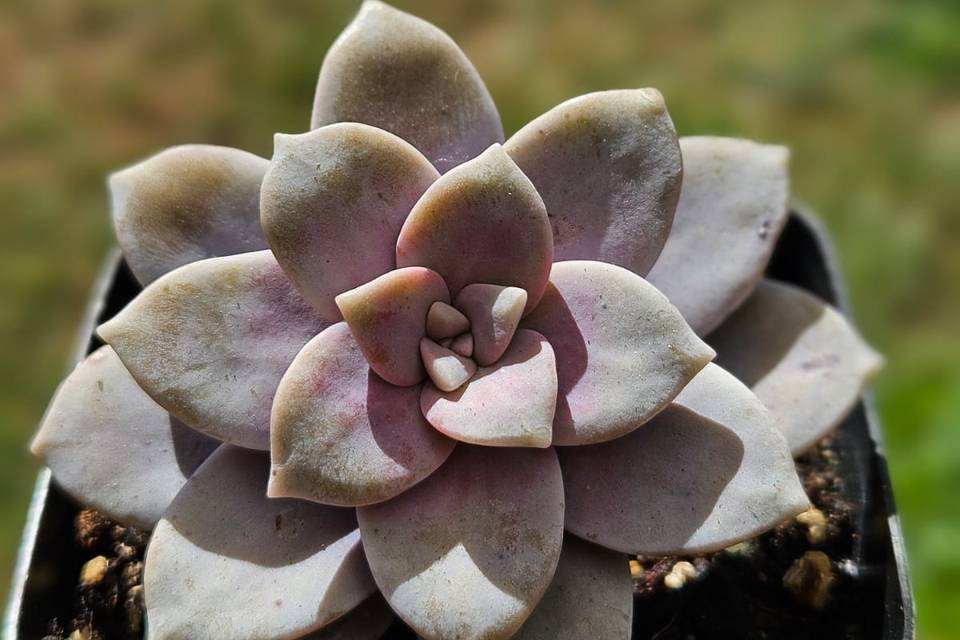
{"points": [[508, 404], [469, 552], [710, 470], [112, 448], [733, 205], [609, 169], [333, 203], [802, 358], [210, 341], [343, 436], [397, 72], [494, 312], [591, 596], [482, 222], [388, 318], [228, 562], [623, 351], [185, 204]]}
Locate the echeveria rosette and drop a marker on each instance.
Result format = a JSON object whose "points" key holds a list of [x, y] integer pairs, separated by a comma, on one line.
{"points": [[473, 399]]}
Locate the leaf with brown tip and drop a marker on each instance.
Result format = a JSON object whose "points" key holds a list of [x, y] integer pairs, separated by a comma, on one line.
{"points": [[480, 542], [210, 341], [397, 72], [228, 562], [388, 318], [481, 222], [112, 448], [341, 435], [623, 351], [185, 204], [591, 596], [733, 205], [333, 203], [710, 470], [508, 404], [609, 169], [802, 358]]}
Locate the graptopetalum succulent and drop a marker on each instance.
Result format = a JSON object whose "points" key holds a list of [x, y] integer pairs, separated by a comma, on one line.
{"points": [[482, 368]]}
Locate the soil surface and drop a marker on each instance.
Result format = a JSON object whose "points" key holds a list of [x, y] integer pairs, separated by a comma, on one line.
{"points": [[797, 581]]}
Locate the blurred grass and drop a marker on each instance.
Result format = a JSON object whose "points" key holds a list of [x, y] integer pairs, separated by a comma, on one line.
{"points": [[866, 93]]}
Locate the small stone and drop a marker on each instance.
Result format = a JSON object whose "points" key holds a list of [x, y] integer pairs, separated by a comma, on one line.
{"points": [[446, 369], [816, 523], [462, 344], [131, 575], [744, 548], [636, 569], [809, 579], [680, 574], [93, 571], [444, 321], [90, 527], [494, 314], [124, 551]]}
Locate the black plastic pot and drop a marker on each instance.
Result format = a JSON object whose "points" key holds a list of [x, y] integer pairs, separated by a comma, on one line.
{"points": [[48, 562]]}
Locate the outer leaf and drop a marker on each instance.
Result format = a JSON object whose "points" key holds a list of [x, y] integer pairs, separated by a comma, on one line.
{"points": [[508, 404], [210, 341], [226, 562], [709, 471], [482, 222], [343, 436], [623, 351], [369, 621], [333, 203], [388, 318], [802, 358], [733, 205], [185, 204], [113, 448], [591, 596], [608, 167], [397, 72], [469, 552]]}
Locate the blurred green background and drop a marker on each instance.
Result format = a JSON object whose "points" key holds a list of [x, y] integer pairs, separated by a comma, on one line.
{"points": [[866, 93]]}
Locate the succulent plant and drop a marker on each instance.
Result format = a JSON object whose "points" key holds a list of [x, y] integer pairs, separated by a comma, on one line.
{"points": [[482, 368]]}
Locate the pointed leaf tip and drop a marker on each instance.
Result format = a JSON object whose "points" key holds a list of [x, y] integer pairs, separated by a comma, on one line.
{"points": [[397, 72]]}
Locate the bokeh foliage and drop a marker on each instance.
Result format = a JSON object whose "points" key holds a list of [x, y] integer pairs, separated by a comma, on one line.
{"points": [[867, 94]]}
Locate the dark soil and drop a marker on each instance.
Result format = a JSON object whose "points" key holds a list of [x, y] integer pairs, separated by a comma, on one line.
{"points": [[108, 597], [797, 581]]}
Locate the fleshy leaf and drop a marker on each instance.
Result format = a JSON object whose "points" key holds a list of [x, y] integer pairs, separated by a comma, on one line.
{"points": [[463, 345], [710, 470], [733, 205], [446, 369], [341, 435], [623, 351], [608, 167], [444, 321], [801, 357], [469, 552], [227, 562], [591, 596], [333, 203], [494, 314], [369, 621], [388, 317], [113, 448], [185, 204], [210, 341], [481, 222], [397, 72], [508, 404]]}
